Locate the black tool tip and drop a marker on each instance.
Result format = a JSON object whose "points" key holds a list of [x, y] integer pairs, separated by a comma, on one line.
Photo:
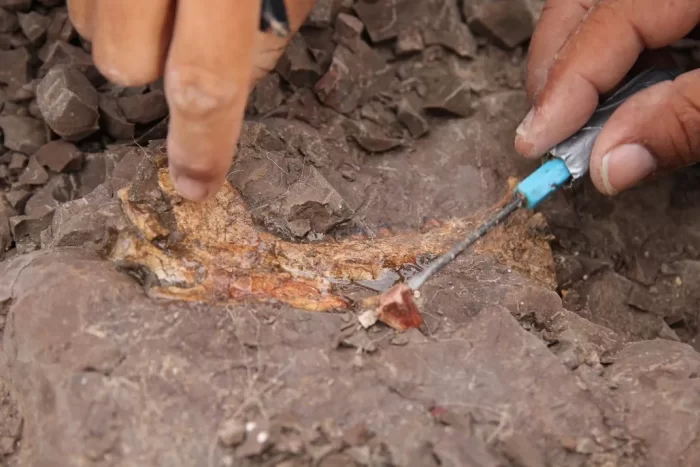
{"points": [[273, 17]]}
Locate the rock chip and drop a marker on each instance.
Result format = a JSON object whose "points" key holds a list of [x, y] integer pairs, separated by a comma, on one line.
{"points": [[8, 21], [379, 18], [44, 200], [16, 69], [231, 433], [34, 26], [112, 119], [507, 22], [348, 28], [450, 95], [85, 222], [321, 45], [408, 113], [18, 162], [23, 134], [18, 198], [6, 212], [410, 40], [34, 174], [33, 109], [62, 53], [16, 40], [321, 15], [373, 137], [16, 5], [61, 28], [339, 87], [448, 30], [310, 204], [68, 102], [26, 231], [144, 108], [267, 95], [296, 65], [21, 92], [355, 74], [99, 166], [60, 156]]}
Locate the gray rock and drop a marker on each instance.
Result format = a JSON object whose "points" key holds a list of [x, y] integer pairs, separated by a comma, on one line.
{"points": [[60, 156], [508, 22], [112, 119], [16, 5], [62, 53], [144, 108], [68, 102], [6, 212], [34, 174], [16, 69], [8, 21], [34, 26], [23, 134]]}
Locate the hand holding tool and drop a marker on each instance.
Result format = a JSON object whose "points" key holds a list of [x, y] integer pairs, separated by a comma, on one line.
{"points": [[569, 162], [571, 158]]}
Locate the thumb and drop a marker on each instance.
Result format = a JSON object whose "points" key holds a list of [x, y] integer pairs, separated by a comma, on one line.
{"points": [[655, 131]]}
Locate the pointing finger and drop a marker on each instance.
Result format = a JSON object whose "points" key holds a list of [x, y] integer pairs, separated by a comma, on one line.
{"points": [[658, 129], [206, 82], [595, 59]]}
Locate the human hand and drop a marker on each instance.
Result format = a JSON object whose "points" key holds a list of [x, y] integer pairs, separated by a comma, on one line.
{"points": [[210, 53], [584, 48]]}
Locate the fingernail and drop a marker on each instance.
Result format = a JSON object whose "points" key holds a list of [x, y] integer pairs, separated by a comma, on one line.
{"points": [[625, 166], [525, 137], [191, 189], [523, 129]]}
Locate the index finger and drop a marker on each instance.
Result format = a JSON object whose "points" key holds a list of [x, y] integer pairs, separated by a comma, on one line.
{"points": [[594, 59], [207, 75]]}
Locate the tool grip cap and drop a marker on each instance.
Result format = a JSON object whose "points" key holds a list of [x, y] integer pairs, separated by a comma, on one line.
{"points": [[541, 183]]}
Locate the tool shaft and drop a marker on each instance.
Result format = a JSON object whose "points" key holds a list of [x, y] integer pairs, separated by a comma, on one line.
{"points": [[436, 266]]}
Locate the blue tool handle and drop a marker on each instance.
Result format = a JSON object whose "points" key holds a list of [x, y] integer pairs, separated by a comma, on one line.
{"points": [[572, 157]]}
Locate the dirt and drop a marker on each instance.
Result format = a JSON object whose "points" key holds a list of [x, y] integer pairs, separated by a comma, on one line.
{"points": [[141, 329]]}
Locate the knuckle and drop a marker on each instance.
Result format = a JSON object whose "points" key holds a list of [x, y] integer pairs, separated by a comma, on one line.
{"points": [[198, 93]]}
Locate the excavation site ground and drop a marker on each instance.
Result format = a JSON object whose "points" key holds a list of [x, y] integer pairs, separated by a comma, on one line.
{"points": [[139, 328]]}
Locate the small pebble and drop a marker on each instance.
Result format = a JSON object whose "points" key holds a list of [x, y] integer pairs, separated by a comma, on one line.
{"points": [[232, 433]]}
